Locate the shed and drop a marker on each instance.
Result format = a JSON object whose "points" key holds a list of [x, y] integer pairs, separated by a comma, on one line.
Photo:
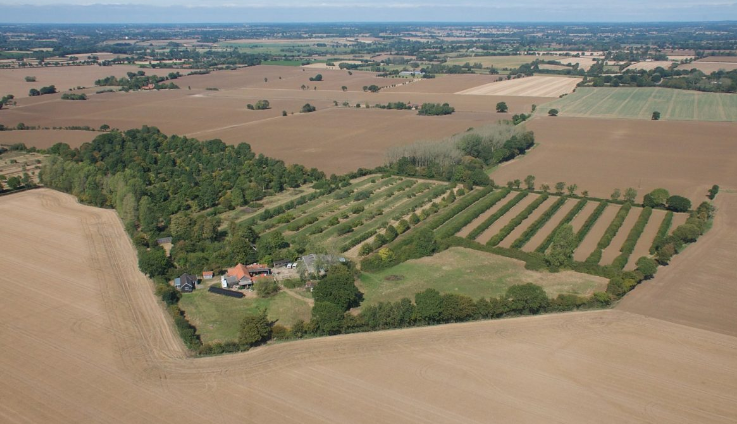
{"points": [[208, 275]]}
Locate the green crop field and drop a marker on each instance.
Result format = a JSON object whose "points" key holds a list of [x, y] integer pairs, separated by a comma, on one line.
{"points": [[640, 103]]}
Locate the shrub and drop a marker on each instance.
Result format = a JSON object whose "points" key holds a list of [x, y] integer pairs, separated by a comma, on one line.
{"points": [[678, 204], [504, 232], [307, 108], [553, 112], [496, 215], [648, 267], [266, 287], [459, 221], [533, 228], [662, 231], [567, 219], [687, 233], [713, 191]]}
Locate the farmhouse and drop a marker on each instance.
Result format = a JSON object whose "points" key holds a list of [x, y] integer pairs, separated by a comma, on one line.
{"points": [[185, 283], [242, 276]]}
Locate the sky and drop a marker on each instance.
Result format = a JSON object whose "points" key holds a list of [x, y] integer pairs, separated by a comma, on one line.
{"points": [[236, 11]]}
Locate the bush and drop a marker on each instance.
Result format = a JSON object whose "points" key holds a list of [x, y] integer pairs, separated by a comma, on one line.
{"points": [[648, 267], [307, 108], [629, 244], [504, 232], [464, 218], [533, 228], [553, 112], [662, 231], [496, 215], [678, 204], [266, 287], [713, 191], [567, 219], [687, 233]]}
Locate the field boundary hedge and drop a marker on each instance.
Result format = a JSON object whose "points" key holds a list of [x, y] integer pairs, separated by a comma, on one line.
{"points": [[662, 231], [498, 214], [610, 233], [590, 221], [567, 219], [516, 221], [458, 222], [539, 223], [629, 244]]}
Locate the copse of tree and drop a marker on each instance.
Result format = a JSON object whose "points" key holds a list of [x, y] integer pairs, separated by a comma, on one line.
{"points": [[307, 108], [656, 198], [317, 77], [502, 107], [338, 288], [71, 96], [435, 109], [255, 330], [553, 112], [713, 192], [262, 105]]}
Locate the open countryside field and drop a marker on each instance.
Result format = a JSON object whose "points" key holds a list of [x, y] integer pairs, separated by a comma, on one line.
{"points": [[12, 81], [600, 155], [471, 273], [515, 61], [99, 348], [708, 67], [648, 66], [640, 103], [43, 139], [531, 86], [353, 137]]}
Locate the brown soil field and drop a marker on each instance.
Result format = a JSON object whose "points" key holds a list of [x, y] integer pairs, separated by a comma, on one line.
{"points": [[529, 86], [341, 140], [549, 226], [599, 155], [725, 59], [44, 139], [612, 251], [12, 81], [481, 218], [504, 219], [698, 288], [642, 248], [508, 240], [592, 238], [98, 348]]}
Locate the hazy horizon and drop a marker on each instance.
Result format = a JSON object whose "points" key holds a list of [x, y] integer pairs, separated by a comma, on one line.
{"points": [[285, 11]]}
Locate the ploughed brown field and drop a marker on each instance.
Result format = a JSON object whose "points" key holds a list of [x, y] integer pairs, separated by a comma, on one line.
{"points": [[12, 81], [350, 137], [44, 139], [84, 340], [599, 155]]}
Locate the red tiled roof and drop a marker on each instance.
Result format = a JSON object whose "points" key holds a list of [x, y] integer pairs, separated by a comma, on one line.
{"points": [[239, 271]]}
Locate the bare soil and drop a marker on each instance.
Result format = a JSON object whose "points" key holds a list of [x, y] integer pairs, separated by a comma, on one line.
{"points": [[613, 250], [592, 238], [12, 81], [642, 248], [514, 235], [599, 155], [530, 86], [486, 214], [84, 340], [549, 226], [43, 139], [504, 219]]}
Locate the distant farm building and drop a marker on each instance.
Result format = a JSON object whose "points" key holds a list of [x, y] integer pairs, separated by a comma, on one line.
{"points": [[208, 275], [242, 276]]}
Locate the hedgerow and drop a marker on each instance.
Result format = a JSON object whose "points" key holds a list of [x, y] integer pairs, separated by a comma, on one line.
{"points": [[629, 244], [504, 232], [662, 231], [590, 221], [458, 207], [568, 218], [464, 218], [538, 224], [494, 217], [609, 234]]}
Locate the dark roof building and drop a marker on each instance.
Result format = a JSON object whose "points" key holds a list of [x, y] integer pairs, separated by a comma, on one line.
{"points": [[185, 283]]}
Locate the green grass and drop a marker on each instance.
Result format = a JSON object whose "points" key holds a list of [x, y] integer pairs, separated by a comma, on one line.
{"points": [[639, 103], [218, 317], [468, 272]]}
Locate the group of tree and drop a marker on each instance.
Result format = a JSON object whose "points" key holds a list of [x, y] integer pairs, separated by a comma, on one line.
{"points": [[73, 96], [317, 77], [43, 90], [139, 80], [165, 186], [674, 77], [435, 109], [260, 105]]}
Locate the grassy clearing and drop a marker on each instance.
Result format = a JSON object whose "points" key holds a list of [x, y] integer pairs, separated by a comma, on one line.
{"points": [[218, 317], [468, 272], [639, 103]]}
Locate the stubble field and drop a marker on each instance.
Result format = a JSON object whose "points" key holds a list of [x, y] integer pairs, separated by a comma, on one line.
{"points": [[530, 86], [600, 155], [82, 343]]}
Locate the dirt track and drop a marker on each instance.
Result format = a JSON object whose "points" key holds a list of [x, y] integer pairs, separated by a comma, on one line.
{"points": [[84, 341]]}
